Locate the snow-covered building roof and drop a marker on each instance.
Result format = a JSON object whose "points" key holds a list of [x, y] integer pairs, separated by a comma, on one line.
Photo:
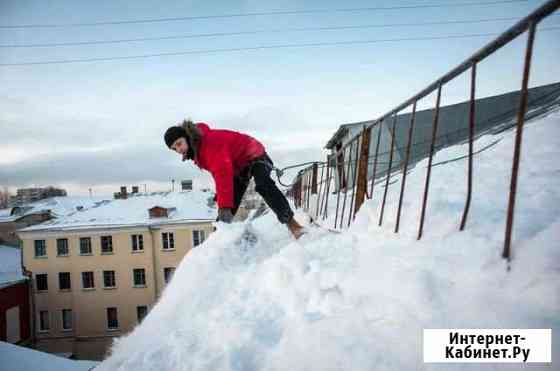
{"points": [[58, 206], [360, 299], [10, 266], [16, 358], [184, 206]]}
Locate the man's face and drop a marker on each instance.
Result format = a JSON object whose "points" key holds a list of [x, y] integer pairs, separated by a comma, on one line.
{"points": [[180, 146]]}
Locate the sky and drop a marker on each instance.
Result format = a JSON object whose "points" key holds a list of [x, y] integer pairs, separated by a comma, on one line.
{"points": [[99, 125]]}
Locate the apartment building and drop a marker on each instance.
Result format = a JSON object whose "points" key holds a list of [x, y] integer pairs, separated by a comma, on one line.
{"points": [[28, 195], [97, 273]]}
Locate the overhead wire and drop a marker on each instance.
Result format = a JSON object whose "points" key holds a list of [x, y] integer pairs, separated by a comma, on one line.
{"points": [[254, 32], [264, 13], [255, 48]]}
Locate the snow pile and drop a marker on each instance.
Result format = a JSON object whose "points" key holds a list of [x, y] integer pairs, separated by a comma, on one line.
{"points": [[16, 358], [359, 300]]}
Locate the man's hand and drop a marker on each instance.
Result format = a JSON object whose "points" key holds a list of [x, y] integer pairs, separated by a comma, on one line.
{"points": [[225, 215]]}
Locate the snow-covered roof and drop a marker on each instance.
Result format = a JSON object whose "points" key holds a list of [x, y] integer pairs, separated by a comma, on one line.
{"points": [[134, 211], [360, 299], [58, 206], [16, 358], [10, 266]]}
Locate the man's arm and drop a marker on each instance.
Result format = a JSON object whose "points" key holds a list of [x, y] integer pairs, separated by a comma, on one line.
{"points": [[222, 172]]}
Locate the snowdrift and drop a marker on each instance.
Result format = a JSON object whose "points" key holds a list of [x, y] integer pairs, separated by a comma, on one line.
{"points": [[359, 300]]}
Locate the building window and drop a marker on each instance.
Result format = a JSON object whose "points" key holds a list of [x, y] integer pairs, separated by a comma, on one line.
{"points": [[62, 247], [40, 248], [41, 282], [66, 319], [106, 244], [137, 242], [198, 237], [168, 242], [168, 273], [44, 324], [64, 281], [109, 279], [139, 277], [141, 312], [87, 280], [112, 318], [85, 246]]}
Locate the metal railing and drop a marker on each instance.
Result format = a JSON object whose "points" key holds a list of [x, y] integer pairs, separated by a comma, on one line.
{"points": [[350, 163]]}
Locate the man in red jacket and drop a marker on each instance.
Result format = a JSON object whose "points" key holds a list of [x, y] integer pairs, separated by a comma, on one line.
{"points": [[232, 158]]}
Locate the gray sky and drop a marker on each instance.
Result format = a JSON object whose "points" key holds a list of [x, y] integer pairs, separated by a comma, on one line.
{"points": [[99, 125]]}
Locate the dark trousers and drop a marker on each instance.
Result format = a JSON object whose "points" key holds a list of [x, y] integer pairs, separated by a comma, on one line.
{"points": [[260, 170]]}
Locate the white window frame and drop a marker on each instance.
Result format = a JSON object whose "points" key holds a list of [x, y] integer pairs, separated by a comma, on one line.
{"points": [[139, 239], [108, 238], [134, 278], [201, 234], [41, 329], [71, 319], [147, 309], [37, 285], [170, 239], [80, 246], [44, 248], [165, 277], [70, 280], [93, 280], [107, 319], [114, 279], [67, 247]]}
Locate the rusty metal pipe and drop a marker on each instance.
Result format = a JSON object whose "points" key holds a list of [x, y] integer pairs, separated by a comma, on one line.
{"points": [[471, 140], [388, 171], [407, 157], [429, 171], [506, 253]]}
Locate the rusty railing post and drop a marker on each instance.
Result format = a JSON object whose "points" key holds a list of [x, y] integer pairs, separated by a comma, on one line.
{"points": [[407, 157], [379, 126], [309, 188], [361, 189], [338, 167], [314, 169], [506, 253], [319, 193], [388, 170], [329, 180], [471, 139], [429, 171], [351, 209], [346, 185]]}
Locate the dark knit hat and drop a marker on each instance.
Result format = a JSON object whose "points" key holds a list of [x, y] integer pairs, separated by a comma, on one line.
{"points": [[174, 133]]}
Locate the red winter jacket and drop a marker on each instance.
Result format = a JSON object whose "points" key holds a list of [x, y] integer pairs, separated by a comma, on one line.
{"points": [[224, 153]]}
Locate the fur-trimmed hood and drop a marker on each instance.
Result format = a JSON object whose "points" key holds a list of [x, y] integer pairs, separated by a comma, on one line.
{"points": [[194, 136]]}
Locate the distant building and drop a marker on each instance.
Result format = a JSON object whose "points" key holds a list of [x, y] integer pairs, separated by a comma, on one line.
{"points": [[25, 215], [28, 195], [15, 307], [97, 273]]}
